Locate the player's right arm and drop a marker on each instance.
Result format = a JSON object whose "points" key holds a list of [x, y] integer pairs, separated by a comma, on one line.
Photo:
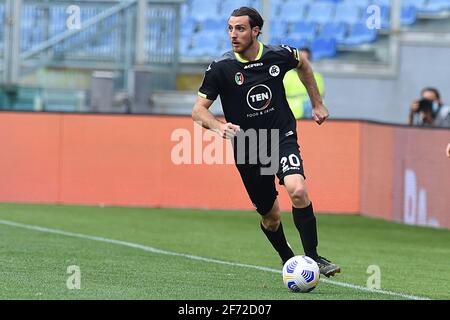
{"points": [[202, 116], [207, 93]]}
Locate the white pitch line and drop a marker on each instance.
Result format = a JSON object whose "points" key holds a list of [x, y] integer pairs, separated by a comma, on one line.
{"points": [[193, 257]]}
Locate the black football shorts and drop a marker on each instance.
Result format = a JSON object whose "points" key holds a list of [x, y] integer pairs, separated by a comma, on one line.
{"points": [[261, 187]]}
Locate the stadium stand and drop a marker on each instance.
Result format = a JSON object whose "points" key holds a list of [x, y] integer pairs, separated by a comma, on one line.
{"points": [[294, 22], [324, 48], [332, 29], [299, 21], [330, 25]]}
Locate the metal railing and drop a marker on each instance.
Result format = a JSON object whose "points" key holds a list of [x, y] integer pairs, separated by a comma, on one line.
{"points": [[112, 35], [2, 29]]}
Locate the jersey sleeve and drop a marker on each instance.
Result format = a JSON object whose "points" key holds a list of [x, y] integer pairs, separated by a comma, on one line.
{"points": [[210, 88], [291, 55]]}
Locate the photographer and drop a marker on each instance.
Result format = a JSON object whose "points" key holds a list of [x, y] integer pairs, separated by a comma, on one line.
{"points": [[429, 111]]}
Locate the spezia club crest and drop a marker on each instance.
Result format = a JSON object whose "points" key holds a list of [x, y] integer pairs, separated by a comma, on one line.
{"points": [[274, 70], [239, 78]]}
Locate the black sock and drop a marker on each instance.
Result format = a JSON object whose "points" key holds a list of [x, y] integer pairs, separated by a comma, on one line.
{"points": [[305, 221], [278, 241]]}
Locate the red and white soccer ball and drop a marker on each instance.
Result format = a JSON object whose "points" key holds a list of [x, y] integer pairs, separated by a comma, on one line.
{"points": [[301, 274]]}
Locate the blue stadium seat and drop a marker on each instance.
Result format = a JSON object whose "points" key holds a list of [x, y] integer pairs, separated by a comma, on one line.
{"points": [[385, 13], [188, 26], [223, 44], [257, 4], [293, 41], [409, 15], [292, 12], [418, 4], [320, 12], [347, 13], [359, 34], [333, 30], [275, 8], [361, 4], [226, 7], [213, 25], [323, 48], [276, 40], [306, 30], [205, 44], [203, 9], [386, 3], [435, 7], [278, 28]]}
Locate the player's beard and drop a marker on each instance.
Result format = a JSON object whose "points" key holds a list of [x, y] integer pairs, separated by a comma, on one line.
{"points": [[247, 47]]}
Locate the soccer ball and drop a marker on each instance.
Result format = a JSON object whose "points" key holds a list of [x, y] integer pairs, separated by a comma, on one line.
{"points": [[301, 274]]}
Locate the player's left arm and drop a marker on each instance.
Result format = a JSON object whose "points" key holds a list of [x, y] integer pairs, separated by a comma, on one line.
{"points": [[319, 110]]}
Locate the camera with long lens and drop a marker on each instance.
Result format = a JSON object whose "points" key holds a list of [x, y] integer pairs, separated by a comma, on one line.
{"points": [[425, 105]]}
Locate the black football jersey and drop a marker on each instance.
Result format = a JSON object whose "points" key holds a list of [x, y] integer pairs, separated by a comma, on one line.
{"points": [[252, 92]]}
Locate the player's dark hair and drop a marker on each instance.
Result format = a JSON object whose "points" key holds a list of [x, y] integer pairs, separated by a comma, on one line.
{"points": [[253, 15], [434, 90]]}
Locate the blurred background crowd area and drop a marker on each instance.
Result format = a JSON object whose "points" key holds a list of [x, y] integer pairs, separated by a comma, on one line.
{"points": [[148, 56]]}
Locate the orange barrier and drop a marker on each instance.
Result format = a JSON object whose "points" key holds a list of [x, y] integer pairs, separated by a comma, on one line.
{"points": [[377, 170], [421, 193], [351, 166], [30, 157]]}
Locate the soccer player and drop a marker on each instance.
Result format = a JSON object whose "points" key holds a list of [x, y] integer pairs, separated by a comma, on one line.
{"points": [[249, 80]]}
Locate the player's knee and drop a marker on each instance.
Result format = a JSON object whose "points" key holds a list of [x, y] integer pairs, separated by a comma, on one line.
{"points": [[299, 196], [271, 223], [271, 220]]}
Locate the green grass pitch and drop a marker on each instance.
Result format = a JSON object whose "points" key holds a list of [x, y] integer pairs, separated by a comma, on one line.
{"points": [[168, 254]]}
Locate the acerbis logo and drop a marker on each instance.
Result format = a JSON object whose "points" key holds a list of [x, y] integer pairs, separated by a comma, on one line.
{"points": [[259, 97], [258, 64]]}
